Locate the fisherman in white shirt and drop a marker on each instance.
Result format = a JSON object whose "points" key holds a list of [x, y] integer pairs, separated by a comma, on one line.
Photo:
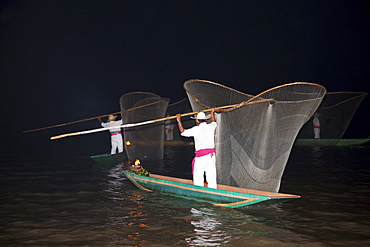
{"points": [[204, 161], [316, 125], [116, 133]]}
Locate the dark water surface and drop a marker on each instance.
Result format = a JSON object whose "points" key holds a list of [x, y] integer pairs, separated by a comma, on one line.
{"points": [[71, 201]]}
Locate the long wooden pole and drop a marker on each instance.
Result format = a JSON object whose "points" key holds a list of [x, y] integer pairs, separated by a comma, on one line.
{"points": [[64, 124], [87, 119], [158, 120]]}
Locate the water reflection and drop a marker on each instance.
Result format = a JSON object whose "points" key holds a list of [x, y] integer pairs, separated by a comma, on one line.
{"points": [[126, 214], [207, 231], [70, 202], [317, 156], [137, 219]]}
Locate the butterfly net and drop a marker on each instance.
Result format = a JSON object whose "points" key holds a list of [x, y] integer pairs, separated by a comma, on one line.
{"points": [[336, 112], [254, 138], [145, 141]]}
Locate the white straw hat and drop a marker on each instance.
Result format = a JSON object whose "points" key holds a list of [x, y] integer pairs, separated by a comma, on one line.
{"points": [[112, 118], [201, 115]]}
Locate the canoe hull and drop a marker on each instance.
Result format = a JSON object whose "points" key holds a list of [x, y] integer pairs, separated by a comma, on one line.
{"points": [[332, 142], [225, 196], [110, 158], [353, 142]]}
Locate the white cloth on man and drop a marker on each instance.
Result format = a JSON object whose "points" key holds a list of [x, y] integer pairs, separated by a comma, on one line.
{"points": [[116, 136], [169, 130], [316, 127], [204, 138]]}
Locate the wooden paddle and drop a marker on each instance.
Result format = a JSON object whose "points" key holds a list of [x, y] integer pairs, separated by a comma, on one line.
{"points": [[160, 119]]}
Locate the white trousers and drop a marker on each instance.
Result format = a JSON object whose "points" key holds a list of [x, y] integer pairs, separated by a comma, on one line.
{"points": [[316, 131], [116, 142], [205, 164], [169, 135]]}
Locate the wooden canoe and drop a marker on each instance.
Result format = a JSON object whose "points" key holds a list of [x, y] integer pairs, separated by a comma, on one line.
{"points": [[331, 142], [110, 158], [226, 196], [316, 142], [353, 142]]}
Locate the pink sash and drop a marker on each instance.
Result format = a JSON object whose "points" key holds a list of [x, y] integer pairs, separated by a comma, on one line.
{"points": [[200, 153], [118, 133]]}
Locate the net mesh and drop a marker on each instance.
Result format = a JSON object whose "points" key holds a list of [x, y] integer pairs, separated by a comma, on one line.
{"points": [[336, 112], [181, 106], [146, 141], [254, 139]]}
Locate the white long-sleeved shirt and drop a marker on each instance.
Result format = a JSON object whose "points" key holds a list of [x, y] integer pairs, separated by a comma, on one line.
{"points": [[316, 122], [111, 124], [204, 135]]}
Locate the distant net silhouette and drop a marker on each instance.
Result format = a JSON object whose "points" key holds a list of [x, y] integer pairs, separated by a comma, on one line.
{"points": [[254, 139], [146, 141], [336, 112], [181, 106]]}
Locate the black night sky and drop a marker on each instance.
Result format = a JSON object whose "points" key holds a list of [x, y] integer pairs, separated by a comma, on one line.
{"points": [[64, 60]]}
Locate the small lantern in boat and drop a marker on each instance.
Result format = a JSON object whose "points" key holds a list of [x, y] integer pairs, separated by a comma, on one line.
{"points": [[137, 162], [136, 166], [138, 169]]}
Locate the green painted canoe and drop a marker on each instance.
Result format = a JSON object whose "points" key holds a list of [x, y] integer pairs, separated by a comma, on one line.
{"points": [[226, 196], [353, 142], [110, 158], [331, 142], [316, 142]]}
